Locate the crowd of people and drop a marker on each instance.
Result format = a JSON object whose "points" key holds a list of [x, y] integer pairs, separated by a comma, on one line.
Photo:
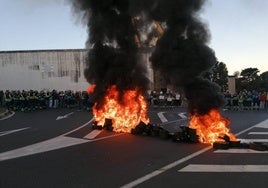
{"points": [[21, 100], [165, 99], [31, 100], [36, 100], [246, 100]]}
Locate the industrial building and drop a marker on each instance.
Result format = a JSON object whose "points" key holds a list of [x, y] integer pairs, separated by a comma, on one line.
{"points": [[60, 69]]}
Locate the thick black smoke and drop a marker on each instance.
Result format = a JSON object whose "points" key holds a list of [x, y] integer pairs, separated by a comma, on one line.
{"points": [[181, 54], [113, 58]]}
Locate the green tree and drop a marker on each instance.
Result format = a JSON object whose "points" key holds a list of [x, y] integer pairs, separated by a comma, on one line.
{"points": [[264, 81], [249, 79], [220, 75]]}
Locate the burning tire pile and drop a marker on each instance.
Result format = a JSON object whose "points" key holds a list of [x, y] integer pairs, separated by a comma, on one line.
{"points": [[182, 133], [227, 144]]}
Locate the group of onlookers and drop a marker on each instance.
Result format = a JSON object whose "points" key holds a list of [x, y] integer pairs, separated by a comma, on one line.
{"points": [[164, 99], [22, 100], [246, 100], [31, 100]]}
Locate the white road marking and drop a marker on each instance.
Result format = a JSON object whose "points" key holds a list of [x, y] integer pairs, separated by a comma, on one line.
{"points": [[93, 134], [171, 165], [165, 168], [12, 131], [252, 140], [263, 124], [170, 122], [182, 115], [48, 145], [86, 124], [65, 116], [233, 150], [224, 168], [8, 116], [258, 133], [58, 142], [162, 117]]}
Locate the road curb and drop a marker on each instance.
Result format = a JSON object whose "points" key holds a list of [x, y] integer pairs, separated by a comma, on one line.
{"points": [[6, 114]]}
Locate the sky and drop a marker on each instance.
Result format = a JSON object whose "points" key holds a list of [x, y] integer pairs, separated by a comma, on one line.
{"points": [[238, 29]]}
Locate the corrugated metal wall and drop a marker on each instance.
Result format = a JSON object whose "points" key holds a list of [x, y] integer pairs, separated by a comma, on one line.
{"points": [[42, 69], [47, 69]]}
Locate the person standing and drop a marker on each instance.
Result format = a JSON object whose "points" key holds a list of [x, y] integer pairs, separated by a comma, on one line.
{"points": [[241, 100], [262, 100], [8, 99], [1, 98], [266, 102]]}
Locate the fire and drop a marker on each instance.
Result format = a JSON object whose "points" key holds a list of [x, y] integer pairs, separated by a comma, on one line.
{"points": [[91, 88], [211, 127], [126, 113]]}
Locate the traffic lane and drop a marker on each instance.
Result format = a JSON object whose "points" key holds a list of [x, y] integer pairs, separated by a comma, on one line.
{"points": [[170, 114], [110, 162], [21, 119], [176, 177], [240, 120], [42, 126], [238, 159]]}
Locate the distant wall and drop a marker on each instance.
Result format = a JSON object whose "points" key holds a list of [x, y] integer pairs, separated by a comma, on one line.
{"points": [[47, 69], [42, 69], [231, 84]]}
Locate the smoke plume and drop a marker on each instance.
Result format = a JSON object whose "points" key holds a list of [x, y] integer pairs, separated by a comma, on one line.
{"points": [[181, 54], [113, 56]]}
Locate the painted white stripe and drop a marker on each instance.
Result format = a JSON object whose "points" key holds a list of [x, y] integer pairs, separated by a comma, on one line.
{"points": [[253, 140], [162, 117], [92, 134], [182, 115], [64, 116], [263, 124], [48, 145], [233, 150], [12, 131], [170, 122], [86, 124], [157, 172], [8, 116], [165, 168], [258, 133], [224, 168]]}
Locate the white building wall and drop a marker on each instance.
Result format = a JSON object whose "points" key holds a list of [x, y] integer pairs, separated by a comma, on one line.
{"points": [[48, 69], [43, 69]]}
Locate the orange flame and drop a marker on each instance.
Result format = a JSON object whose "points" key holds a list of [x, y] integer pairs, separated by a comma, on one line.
{"points": [[211, 127], [125, 115], [91, 88]]}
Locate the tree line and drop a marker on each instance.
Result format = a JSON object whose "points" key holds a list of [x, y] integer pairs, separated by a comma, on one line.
{"points": [[248, 79]]}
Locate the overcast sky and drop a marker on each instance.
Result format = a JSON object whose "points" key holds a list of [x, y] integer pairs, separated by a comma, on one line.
{"points": [[238, 29]]}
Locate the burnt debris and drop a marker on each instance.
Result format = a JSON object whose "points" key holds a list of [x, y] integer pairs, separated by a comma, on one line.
{"points": [[182, 133], [226, 143]]}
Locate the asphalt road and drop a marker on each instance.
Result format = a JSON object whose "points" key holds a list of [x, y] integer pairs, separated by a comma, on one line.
{"points": [[57, 148]]}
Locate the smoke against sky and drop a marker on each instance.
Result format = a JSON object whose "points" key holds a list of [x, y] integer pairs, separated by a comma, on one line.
{"points": [[238, 29], [113, 58], [181, 54]]}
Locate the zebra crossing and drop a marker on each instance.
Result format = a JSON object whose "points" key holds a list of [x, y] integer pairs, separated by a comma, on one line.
{"points": [[255, 134]]}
